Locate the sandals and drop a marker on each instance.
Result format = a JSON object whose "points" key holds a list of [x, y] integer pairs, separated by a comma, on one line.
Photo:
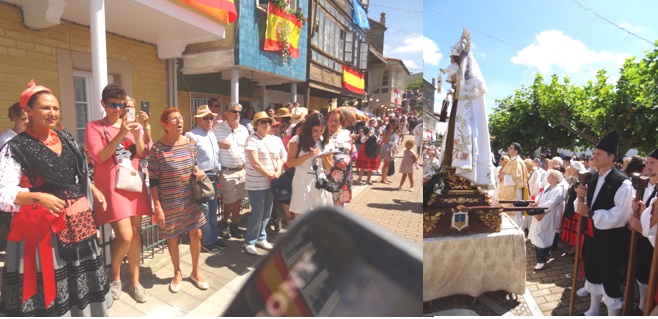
{"points": [[201, 285]]}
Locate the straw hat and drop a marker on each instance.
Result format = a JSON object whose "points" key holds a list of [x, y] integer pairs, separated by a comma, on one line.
{"points": [[282, 112], [260, 116], [298, 113], [203, 110]]}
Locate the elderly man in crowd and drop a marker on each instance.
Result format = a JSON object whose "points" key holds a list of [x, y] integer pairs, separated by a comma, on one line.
{"points": [[207, 158], [232, 137]]}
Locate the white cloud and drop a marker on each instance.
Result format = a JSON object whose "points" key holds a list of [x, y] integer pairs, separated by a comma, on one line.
{"points": [[637, 29], [416, 44], [412, 65], [554, 48]]}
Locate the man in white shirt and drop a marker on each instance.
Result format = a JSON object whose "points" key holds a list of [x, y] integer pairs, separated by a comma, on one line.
{"points": [[607, 209], [644, 245], [19, 117], [232, 137], [207, 158]]}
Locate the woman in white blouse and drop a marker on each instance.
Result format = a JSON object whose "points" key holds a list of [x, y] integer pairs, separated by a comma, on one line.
{"points": [[263, 165], [542, 228]]}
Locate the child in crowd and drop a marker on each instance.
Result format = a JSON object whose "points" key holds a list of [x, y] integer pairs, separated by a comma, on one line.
{"points": [[409, 160]]}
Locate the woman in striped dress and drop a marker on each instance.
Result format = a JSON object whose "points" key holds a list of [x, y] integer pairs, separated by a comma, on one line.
{"points": [[171, 161]]}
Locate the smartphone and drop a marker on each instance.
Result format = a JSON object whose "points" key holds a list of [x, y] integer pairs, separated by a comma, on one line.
{"points": [[130, 114], [146, 107], [334, 263]]}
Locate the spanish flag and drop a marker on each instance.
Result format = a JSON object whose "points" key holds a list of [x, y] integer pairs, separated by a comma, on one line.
{"points": [[223, 10], [353, 80], [274, 285], [276, 19]]}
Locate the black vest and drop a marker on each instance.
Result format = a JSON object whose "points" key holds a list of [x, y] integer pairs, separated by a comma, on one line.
{"points": [[606, 198]]}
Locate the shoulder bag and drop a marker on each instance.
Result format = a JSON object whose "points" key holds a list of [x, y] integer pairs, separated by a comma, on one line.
{"points": [[203, 190], [127, 178]]}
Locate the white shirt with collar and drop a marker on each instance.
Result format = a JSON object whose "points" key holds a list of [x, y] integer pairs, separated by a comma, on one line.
{"points": [[618, 215]]}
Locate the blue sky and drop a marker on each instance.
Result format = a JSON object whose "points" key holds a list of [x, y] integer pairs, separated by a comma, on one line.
{"points": [[514, 39], [404, 37]]}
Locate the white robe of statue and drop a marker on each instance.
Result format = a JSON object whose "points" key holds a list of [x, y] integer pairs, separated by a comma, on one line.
{"points": [[472, 150]]}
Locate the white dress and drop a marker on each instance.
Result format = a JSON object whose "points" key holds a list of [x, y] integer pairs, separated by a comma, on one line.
{"points": [[305, 196]]}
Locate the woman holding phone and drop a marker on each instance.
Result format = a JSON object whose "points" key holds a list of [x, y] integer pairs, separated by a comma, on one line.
{"points": [[304, 153], [113, 142]]}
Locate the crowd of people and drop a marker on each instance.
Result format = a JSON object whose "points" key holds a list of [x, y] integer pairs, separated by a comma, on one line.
{"points": [[606, 203], [49, 187]]}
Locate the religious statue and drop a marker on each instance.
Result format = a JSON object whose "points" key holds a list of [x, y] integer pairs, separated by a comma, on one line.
{"points": [[467, 147]]}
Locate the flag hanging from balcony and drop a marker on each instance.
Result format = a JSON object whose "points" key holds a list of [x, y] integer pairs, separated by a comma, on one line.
{"points": [[397, 97], [353, 80], [221, 9], [359, 16], [283, 30]]}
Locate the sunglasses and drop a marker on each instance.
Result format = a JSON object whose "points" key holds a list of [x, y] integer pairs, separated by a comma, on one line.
{"points": [[208, 118], [234, 111], [265, 122], [115, 105]]}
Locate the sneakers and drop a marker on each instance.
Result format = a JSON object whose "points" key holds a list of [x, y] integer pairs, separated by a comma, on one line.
{"points": [[540, 266], [115, 288], [264, 244], [221, 245], [210, 249], [411, 189], [223, 229], [250, 249], [139, 294], [235, 231]]}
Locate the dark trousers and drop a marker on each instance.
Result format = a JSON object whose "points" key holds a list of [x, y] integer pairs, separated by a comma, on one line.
{"points": [[644, 256], [542, 254], [603, 257]]}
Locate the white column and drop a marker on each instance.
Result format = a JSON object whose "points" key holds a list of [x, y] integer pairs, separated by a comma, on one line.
{"points": [[98, 55], [235, 84], [172, 82], [293, 92]]}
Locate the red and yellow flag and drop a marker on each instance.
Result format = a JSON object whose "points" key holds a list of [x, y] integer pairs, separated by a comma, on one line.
{"points": [[353, 80], [279, 20], [221, 9], [277, 288]]}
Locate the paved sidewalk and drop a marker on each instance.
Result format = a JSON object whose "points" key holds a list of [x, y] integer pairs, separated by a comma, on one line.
{"points": [[399, 211]]}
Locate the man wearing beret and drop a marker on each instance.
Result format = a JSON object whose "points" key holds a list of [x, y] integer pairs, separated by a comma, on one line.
{"points": [[644, 247], [607, 207]]}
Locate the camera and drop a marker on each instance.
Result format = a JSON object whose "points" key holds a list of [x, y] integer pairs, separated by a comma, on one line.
{"points": [[322, 182]]}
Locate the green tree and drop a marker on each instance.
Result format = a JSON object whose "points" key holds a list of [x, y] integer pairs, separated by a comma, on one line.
{"points": [[564, 115], [417, 84]]}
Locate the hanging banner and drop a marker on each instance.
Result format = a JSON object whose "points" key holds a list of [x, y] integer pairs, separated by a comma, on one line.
{"points": [[360, 17], [353, 80], [283, 29], [223, 10]]}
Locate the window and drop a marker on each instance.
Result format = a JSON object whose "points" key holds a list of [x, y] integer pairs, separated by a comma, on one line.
{"points": [[81, 84], [385, 77], [85, 100], [363, 56], [263, 4], [349, 47]]}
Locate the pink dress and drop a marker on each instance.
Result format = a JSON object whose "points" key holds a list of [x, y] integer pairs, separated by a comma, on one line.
{"points": [[120, 204], [407, 165]]}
